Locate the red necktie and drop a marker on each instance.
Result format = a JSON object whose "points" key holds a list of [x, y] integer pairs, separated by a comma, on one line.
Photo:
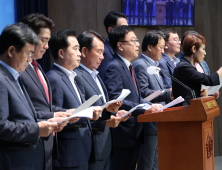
{"points": [[131, 71], [34, 63]]}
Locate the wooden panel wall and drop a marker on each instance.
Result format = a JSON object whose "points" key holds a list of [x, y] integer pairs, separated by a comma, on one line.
{"points": [[82, 15]]}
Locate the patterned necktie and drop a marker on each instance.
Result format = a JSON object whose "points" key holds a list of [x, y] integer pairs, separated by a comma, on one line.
{"points": [[34, 63], [131, 71]]}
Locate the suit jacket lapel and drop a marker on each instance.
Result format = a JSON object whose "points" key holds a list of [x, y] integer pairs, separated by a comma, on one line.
{"points": [[169, 62], [110, 48], [67, 81], [91, 81], [129, 76], [35, 78], [156, 76], [104, 88], [17, 90]]}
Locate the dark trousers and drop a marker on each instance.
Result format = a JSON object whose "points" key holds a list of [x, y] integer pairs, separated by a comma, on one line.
{"points": [[82, 167], [124, 6], [167, 14], [124, 158], [185, 12], [148, 159], [141, 12], [132, 10], [100, 165], [171, 12], [149, 11]]}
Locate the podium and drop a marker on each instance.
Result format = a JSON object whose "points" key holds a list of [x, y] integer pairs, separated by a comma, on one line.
{"points": [[185, 135], [160, 12]]}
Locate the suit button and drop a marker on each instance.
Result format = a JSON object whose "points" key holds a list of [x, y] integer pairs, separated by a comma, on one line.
{"points": [[89, 133], [40, 140]]}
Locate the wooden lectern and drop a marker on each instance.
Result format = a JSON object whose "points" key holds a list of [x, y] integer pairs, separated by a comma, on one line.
{"points": [[185, 135]]}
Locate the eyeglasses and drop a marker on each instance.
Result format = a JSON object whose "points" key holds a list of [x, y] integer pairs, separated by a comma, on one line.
{"points": [[133, 41], [176, 40], [29, 55]]}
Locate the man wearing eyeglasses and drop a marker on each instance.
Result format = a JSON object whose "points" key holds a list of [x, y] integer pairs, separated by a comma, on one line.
{"points": [[36, 83], [168, 60], [21, 145], [152, 47], [119, 74]]}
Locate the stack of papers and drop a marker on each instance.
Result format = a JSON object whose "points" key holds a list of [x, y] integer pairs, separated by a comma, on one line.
{"points": [[174, 102], [153, 95]]}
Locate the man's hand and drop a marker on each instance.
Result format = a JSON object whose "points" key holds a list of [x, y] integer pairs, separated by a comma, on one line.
{"points": [[45, 128], [120, 113], [171, 94], [203, 92], [114, 107], [62, 114], [154, 108], [216, 95], [97, 110], [60, 126], [113, 122]]}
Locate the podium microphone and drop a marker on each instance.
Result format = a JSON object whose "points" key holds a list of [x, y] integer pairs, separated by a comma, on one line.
{"points": [[156, 70]]}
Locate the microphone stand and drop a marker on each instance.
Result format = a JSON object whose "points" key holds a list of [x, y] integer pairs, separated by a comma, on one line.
{"points": [[179, 82]]}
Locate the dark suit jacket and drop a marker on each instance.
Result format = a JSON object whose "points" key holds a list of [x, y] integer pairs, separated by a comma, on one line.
{"points": [[149, 83], [108, 55], [74, 143], [188, 74], [117, 77], [167, 65], [101, 132], [19, 130], [38, 97]]}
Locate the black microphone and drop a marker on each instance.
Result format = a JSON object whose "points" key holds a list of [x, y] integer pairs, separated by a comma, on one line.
{"points": [[177, 81]]}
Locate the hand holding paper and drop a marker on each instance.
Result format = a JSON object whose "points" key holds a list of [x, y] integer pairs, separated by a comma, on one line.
{"points": [[120, 113], [113, 122], [97, 111], [141, 106], [123, 95], [114, 107]]}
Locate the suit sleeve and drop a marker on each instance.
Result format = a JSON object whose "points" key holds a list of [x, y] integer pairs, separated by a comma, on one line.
{"points": [[113, 81], [14, 131], [144, 83]]}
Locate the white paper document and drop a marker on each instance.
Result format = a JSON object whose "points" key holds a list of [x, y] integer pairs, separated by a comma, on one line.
{"points": [[174, 102], [141, 106], [88, 113], [87, 103], [153, 95], [123, 95], [153, 70], [213, 89]]}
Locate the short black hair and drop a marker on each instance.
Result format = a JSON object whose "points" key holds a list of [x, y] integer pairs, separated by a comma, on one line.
{"points": [[185, 34], [85, 39], [152, 38], [59, 41], [37, 21], [17, 35], [167, 33], [117, 34], [111, 19]]}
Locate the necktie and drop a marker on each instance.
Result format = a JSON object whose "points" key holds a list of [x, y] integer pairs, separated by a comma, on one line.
{"points": [[34, 63], [131, 71]]}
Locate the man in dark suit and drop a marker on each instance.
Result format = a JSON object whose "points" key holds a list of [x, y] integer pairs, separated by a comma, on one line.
{"points": [[177, 7], [140, 11], [185, 11], [168, 60], [119, 75], [35, 81], [21, 145], [149, 11], [171, 11], [92, 47], [113, 19], [153, 48], [75, 143]]}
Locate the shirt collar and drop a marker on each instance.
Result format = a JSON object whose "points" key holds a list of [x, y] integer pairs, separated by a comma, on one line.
{"points": [[67, 72], [93, 73], [155, 63], [14, 73], [125, 61]]}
